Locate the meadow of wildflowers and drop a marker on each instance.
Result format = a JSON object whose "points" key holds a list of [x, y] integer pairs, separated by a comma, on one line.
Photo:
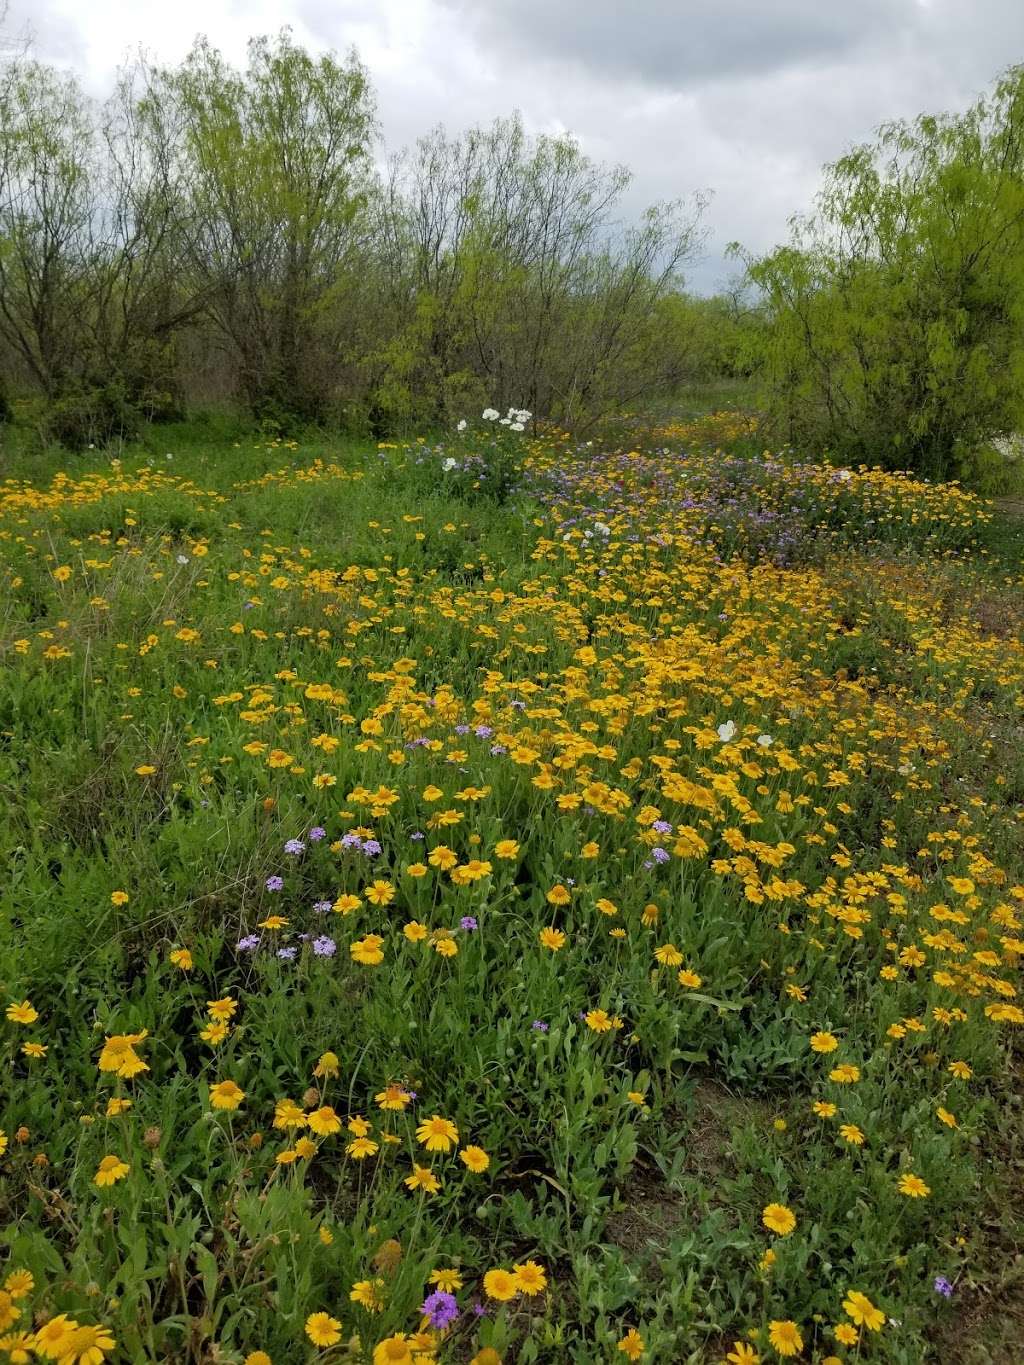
{"points": [[507, 900]]}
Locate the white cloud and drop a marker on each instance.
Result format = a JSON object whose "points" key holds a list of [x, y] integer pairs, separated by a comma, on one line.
{"points": [[736, 96]]}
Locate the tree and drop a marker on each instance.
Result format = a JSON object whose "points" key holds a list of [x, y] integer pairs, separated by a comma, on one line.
{"points": [[272, 171], [242, 210], [91, 292], [516, 284], [47, 191], [141, 293], [898, 309]]}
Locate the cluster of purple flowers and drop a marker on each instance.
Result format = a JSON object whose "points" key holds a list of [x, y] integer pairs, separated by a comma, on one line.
{"points": [[441, 1308], [659, 856], [370, 847], [323, 945], [480, 731]]}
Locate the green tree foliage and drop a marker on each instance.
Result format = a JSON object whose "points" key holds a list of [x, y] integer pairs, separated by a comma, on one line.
{"points": [[272, 174], [897, 309], [512, 281], [89, 298], [721, 336], [47, 178], [239, 214]]}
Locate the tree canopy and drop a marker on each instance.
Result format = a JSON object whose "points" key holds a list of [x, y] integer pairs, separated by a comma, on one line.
{"points": [[897, 309]]}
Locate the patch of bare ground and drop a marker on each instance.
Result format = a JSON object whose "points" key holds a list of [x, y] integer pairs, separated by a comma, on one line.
{"points": [[998, 616], [653, 1208], [988, 1328], [714, 1112], [651, 1213]]}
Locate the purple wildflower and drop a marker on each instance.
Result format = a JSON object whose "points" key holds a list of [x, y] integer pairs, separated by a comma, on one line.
{"points": [[943, 1287], [468, 923], [287, 954], [322, 907], [539, 1025], [661, 855], [440, 1308], [316, 834], [483, 732], [324, 946], [295, 846], [462, 729], [662, 827], [274, 883], [248, 943], [371, 848]]}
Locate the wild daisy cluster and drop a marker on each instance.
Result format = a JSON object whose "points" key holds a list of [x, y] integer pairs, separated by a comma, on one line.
{"points": [[439, 939]]}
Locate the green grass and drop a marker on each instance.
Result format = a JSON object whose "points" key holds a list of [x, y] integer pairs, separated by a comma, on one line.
{"points": [[255, 640]]}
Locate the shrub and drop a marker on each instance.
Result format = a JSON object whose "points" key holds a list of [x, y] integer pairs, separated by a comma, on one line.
{"points": [[896, 311]]}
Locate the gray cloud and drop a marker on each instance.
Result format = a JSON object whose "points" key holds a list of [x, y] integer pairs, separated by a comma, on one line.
{"points": [[680, 42]]}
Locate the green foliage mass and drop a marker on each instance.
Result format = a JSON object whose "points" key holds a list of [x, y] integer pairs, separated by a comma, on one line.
{"points": [[896, 313], [224, 231]]}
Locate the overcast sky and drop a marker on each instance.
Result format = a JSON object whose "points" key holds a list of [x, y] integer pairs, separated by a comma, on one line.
{"points": [[745, 98]]}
